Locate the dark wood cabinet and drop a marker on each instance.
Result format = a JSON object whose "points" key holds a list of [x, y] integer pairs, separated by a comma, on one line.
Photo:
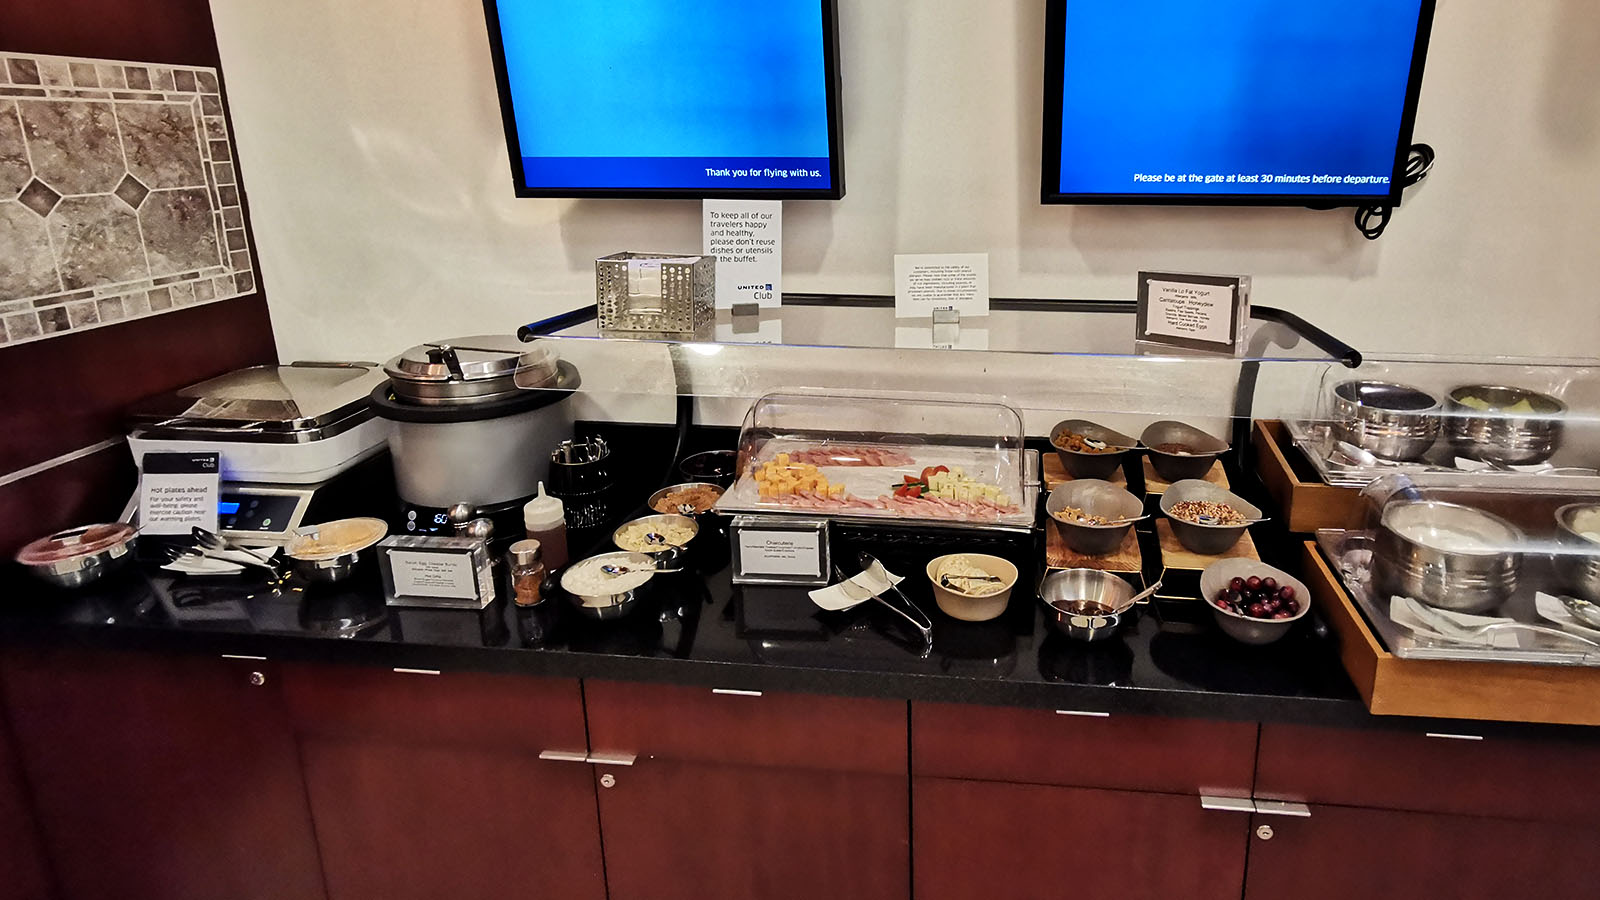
{"points": [[23, 870], [980, 839], [161, 777], [736, 796], [1343, 852], [430, 785]]}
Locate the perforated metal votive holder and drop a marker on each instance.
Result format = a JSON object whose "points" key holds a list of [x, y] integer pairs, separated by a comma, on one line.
{"points": [[686, 305]]}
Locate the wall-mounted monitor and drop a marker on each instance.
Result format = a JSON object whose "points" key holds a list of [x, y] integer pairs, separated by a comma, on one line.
{"points": [[656, 98], [1231, 102]]}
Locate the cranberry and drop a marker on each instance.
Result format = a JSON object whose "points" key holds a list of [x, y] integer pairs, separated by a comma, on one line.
{"points": [[1236, 584]]}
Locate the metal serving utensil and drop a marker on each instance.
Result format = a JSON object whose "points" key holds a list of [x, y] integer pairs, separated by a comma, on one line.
{"points": [[924, 625], [215, 542]]}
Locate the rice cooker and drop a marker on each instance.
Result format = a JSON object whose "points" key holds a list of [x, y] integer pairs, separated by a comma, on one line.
{"points": [[474, 420]]}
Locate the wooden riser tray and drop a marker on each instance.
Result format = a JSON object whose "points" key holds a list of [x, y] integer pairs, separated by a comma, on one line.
{"points": [[1492, 691], [1154, 484], [1055, 474], [1307, 503], [1180, 567], [1126, 559]]}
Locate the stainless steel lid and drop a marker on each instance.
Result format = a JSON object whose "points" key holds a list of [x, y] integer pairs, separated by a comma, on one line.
{"points": [[469, 370], [294, 403]]}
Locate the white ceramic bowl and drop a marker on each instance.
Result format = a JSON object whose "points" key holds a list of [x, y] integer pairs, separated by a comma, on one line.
{"points": [[968, 608], [1246, 629]]}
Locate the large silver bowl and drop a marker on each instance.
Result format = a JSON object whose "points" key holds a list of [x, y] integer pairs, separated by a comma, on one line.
{"points": [[1064, 592], [1512, 439], [1389, 420], [1091, 465], [1207, 540], [1577, 557], [1099, 498], [1446, 555], [1178, 466]]}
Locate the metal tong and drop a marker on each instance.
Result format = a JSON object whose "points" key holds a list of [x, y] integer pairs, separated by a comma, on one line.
{"points": [[916, 617]]}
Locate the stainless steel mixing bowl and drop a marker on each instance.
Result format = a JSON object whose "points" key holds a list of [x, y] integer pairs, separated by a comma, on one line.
{"points": [[1446, 555], [1578, 557], [1393, 421], [1495, 436]]}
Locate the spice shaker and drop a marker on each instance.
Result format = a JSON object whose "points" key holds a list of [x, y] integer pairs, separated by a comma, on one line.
{"points": [[535, 614], [545, 518]]}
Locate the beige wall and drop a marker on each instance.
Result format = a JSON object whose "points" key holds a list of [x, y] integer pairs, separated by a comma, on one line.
{"points": [[370, 135]]}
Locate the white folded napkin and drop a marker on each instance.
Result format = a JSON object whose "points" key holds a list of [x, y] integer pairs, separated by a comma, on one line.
{"points": [[855, 591]]}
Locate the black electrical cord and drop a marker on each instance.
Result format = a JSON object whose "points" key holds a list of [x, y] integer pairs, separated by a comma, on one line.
{"points": [[1372, 220]]}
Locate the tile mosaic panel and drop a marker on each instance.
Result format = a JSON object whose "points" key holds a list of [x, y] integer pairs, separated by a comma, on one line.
{"points": [[118, 197]]}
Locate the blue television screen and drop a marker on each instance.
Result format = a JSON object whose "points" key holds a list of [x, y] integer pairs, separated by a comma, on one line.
{"points": [[709, 98], [1260, 102]]}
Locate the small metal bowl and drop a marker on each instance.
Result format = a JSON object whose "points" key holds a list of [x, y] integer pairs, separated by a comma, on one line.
{"points": [[656, 521], [1388, 420], [78, 556], [1411, 556], [1085, 604], [1176, 467], [1091, 465], [327, 567], [1099, 498], [1493, 436], [716, 467], [1207, 540], [1578, 558], [659, 495], [612, 605]]}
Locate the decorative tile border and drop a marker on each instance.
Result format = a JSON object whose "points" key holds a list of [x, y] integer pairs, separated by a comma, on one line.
{"points": [[118, 197]]}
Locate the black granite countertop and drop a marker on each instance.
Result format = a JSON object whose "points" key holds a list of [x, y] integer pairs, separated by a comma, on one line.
{"points": [[699, 628]]}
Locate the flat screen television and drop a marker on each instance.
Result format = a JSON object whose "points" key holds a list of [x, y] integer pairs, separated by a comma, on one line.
{"points": [[1231, 102], [655, 98]]}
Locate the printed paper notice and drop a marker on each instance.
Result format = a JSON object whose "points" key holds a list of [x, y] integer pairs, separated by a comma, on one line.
{"points": [[447, 575], [924, 282], [178, 492], [1201, 312], [780, 553], [746, 237]]}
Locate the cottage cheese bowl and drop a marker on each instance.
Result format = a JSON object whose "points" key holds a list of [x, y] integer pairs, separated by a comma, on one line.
{"points": [[1446, 555], [607, 586]]}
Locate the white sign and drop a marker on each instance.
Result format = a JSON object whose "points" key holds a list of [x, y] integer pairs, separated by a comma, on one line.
{"points": [[780, 553], [1203, 312], [178, 492], [746, 237], [450, 575], [924, 282]]}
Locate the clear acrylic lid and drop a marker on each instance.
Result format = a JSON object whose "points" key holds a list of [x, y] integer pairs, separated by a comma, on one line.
{"points": [[1452, 565], [876, 457]]}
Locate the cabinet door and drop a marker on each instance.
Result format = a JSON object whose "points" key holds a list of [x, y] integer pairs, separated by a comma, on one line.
{"points": [[1344, 852], [431, 786], [162, 777], [743, 795], [725, 831], [23, 870], [976, 837]]}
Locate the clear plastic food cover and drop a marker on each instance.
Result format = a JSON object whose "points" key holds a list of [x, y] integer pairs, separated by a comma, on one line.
{"points": [[1459, 566], [1422, 416], [920, 458]]}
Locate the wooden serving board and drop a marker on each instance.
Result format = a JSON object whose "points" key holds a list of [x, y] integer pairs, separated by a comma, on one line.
{"points": [[1175, 556], [1436, 688], [1055, 474], [1155, 484], [1127, 558]]}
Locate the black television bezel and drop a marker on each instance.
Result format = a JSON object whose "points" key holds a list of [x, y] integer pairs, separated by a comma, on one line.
{"points": [[1050, 175], [830, 40]]}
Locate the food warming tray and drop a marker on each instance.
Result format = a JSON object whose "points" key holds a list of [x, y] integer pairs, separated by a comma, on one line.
{"points": [[299, 423], [866, 445]]}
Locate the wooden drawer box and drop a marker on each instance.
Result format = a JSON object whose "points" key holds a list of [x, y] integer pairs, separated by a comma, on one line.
{"points": [[1509, 777], [1307, 503], [1043, 746], [454, 708], [700, 724]]}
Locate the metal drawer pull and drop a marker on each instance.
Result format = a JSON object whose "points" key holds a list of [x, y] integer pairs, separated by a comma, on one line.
{"points": [[1086, 713], [734, 693], [417, 671], [597, 759], [1227, 804], [1454, 737], [244, 656], [1280, 808]]}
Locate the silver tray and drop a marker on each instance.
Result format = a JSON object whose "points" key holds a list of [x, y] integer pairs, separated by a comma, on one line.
{"points": [[1316, 442]]}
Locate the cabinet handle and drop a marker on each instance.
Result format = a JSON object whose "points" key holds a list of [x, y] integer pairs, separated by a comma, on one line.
{"points": [[735, 693], [595, 759], [1086, 713], [244, 656], [401, 671], [1281, 808], [1454, 737], [1227, 804]]}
